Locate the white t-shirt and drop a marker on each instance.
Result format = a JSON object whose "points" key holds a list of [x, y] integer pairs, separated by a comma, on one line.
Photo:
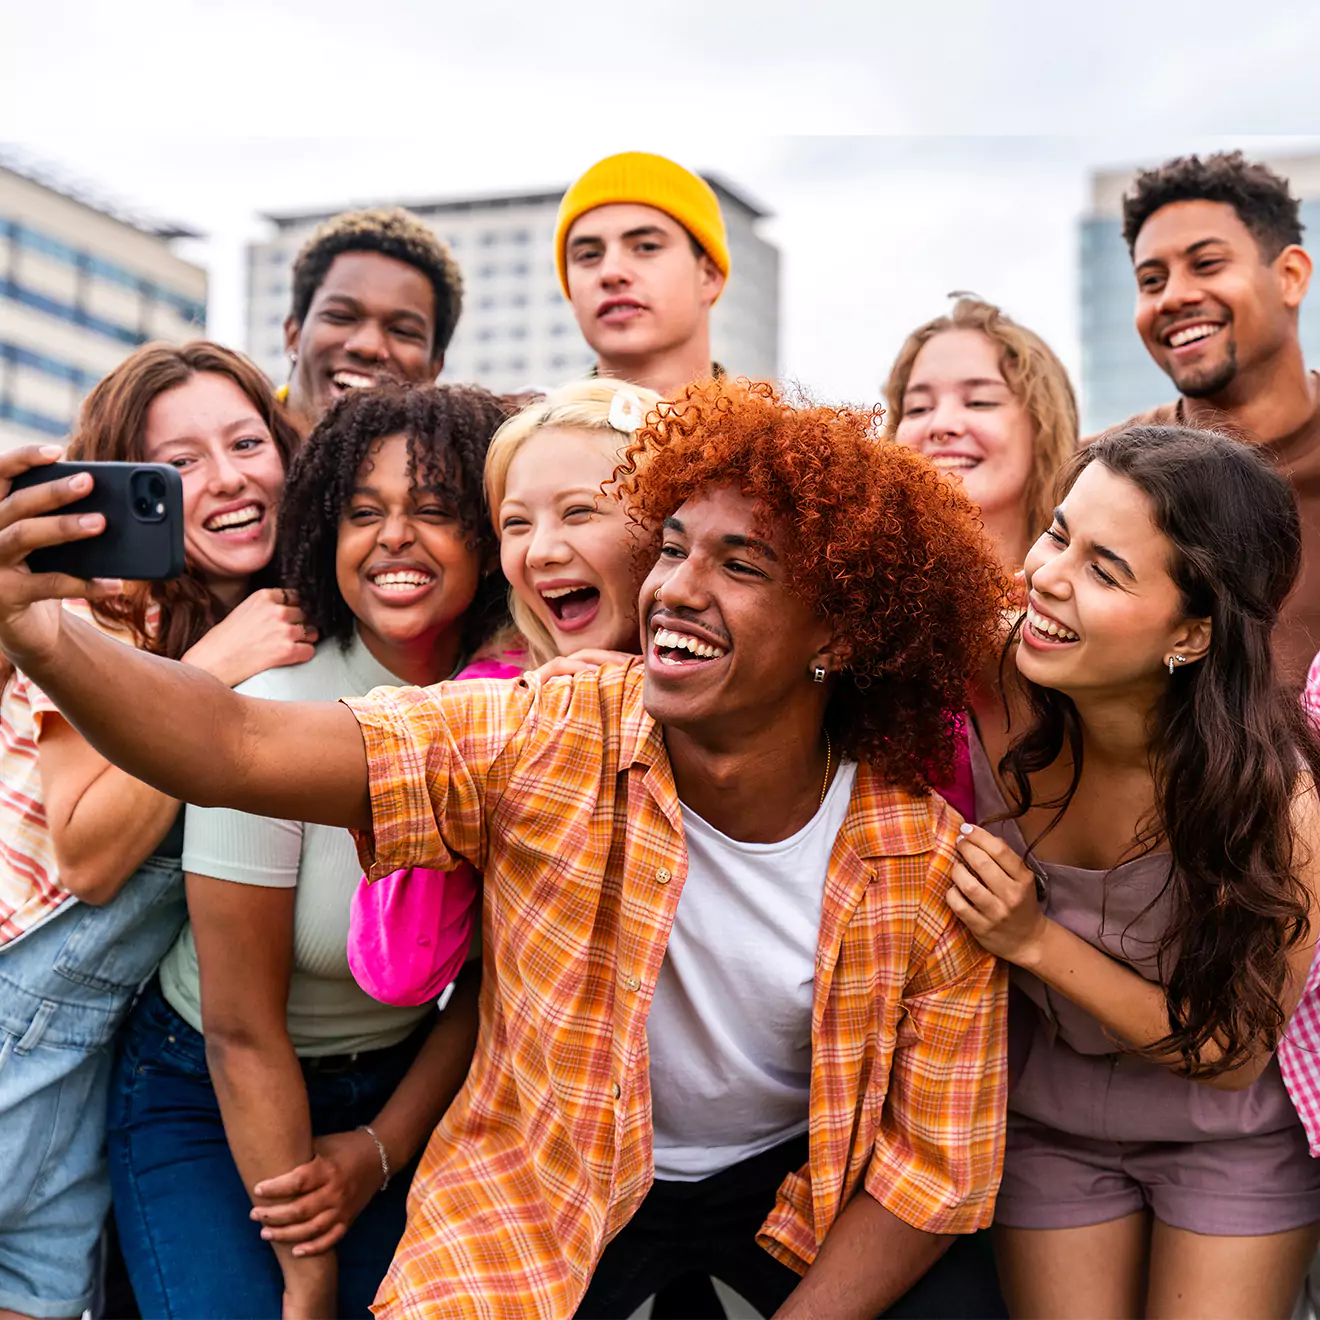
{"points": [[730, 1025]]}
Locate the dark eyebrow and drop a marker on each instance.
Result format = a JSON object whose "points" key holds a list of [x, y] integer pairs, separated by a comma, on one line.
{"points": [[733, 539], [1188, 251], [395, 313], [643, 231], [1102, 551]]}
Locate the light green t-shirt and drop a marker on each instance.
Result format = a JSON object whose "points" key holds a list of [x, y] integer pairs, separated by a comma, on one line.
{"points": [[328, 1013]]}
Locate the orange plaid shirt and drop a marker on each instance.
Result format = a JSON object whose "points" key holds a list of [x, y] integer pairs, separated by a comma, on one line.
{"points": [[563, 796]]}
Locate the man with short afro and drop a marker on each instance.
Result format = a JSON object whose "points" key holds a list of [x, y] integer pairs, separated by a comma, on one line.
{"points": [[376, 297], [1221, 274]]}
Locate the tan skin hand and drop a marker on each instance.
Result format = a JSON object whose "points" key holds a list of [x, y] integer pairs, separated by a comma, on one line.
{"points": [[264, 631], [30, 611], [318, 1201], [994, 895], [579, 662]]}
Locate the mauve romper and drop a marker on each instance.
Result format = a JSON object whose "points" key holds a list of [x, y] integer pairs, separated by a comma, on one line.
{"points": [[1095, 1134]]}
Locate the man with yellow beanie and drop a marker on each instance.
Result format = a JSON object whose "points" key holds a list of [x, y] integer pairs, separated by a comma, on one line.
{"points": [[642, 256]]}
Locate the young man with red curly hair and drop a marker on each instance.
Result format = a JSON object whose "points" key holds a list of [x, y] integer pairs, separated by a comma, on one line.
{"points": [[793, 1080]]}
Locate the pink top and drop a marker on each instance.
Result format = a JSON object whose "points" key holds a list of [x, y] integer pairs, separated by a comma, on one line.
{"points": [[1299, 1050], [409, 933]]}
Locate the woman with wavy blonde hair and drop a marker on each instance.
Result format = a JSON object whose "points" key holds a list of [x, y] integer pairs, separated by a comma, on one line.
{"points": [[988, 401], [566, 543]]}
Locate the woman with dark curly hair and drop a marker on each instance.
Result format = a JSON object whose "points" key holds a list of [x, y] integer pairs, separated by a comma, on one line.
{"points": [[258, 1072], [1150, 866], [794, 1080]]}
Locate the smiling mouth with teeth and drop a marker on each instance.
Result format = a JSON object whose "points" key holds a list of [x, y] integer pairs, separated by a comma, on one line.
{"points": [[1190, 334], [402, 580], [1047, 630], [236, 520], [353, 380], [954, 462], [676, 648]]}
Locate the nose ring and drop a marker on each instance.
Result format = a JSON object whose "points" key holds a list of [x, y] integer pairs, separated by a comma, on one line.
{"points": [[657, 593]]}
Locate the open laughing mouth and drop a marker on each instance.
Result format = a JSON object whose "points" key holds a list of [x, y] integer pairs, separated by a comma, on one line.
{"points": [[574, 605], [682, 650]]}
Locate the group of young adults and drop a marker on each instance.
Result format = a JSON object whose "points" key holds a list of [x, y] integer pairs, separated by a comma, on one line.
{"points": [[546, 853]]}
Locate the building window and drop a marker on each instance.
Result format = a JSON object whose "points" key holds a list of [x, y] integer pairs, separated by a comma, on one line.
{"points": [[521, 236], [517, 332], [517, 364], [489, 238], [518, 268]]}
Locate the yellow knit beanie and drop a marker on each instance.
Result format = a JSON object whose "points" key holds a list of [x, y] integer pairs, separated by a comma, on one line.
{"points": [[646, 180]]}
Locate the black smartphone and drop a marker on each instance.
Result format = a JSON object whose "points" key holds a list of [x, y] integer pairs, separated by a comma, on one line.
{"points": [[143, 508]]}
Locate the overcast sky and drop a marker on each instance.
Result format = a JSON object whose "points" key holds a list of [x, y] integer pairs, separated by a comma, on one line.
{"points": [[905, 150]]}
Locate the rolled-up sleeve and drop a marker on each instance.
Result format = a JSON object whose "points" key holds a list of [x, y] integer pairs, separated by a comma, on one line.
{"points": [[436, 760], [940, 1148]]}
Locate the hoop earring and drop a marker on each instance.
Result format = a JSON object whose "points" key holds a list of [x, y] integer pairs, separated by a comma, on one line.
{"points": [[818, 674], [657, 593]]}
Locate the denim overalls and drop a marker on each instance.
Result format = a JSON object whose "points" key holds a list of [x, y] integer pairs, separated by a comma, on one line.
{"points": [[65, 989]]}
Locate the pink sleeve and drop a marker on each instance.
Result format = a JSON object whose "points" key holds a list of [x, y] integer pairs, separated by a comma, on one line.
{"points": [[961, 794], [1299, 1058], [1311, 693], [409, 932]]}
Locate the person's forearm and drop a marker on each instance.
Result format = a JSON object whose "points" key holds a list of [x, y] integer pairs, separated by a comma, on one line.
{"points": [[136, 709], [185, 733], [114, 827], [1133, 1009], [263, 1102], [868, 1260], [419, 1101]]}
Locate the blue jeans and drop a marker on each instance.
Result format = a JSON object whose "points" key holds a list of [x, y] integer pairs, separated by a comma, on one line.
{"points": [[65, 989], [181, 1207]]}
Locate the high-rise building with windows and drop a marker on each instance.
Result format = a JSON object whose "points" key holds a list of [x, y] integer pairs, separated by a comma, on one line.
{"points": [[81, 286], [517, 329], [1118, 376]]}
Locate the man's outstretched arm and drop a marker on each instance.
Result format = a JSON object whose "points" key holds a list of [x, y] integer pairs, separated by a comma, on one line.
{"points": [[170, 725]]}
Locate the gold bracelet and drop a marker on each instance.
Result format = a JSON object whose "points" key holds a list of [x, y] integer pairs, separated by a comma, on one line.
{"points": [[380, 1147]]}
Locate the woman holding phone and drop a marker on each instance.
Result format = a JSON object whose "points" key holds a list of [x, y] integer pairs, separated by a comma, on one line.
{"points": [[91, 892]]}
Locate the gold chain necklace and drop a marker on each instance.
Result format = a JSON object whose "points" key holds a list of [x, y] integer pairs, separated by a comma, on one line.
{"points": [[829, 751]]}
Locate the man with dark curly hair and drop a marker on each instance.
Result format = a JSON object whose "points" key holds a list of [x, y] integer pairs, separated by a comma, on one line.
{"points": [[376, 296], [1221, 274], [794, 1080]]}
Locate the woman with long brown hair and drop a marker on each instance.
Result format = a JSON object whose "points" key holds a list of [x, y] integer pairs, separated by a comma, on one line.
{"points": [[1149, 864], [987, 401], [91, 892]]}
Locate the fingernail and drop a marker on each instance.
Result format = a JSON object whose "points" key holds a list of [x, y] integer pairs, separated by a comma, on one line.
{"points": [[265, 1235], [113, 585], [83, 481], [965, 828], [89, 520], [299, 1251], [50, 451]]}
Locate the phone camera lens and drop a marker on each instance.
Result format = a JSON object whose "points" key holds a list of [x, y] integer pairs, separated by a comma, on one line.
{"points": [[155, 487], [142, 506]]}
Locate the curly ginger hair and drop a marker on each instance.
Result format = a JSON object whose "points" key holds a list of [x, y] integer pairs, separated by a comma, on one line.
{"points": [[874, 540]]}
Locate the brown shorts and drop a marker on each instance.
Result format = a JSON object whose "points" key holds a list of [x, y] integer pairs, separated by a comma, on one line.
{"points": [[1241, 1187]]}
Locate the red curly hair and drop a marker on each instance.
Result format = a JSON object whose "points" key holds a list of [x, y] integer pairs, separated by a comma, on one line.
{"points": [[874, 540]]}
